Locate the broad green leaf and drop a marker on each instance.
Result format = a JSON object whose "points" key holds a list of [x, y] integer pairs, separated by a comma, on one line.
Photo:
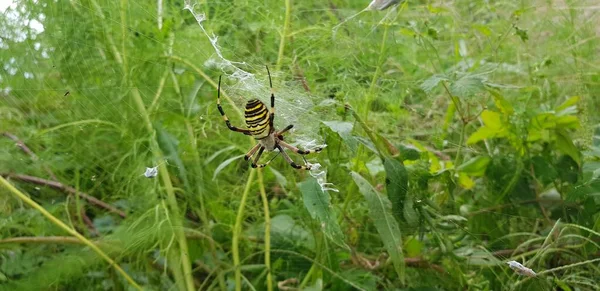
{"points": [[318, 204], [380, 210], [465, 181], [396, 183], [565, 144], [492, 120], [482, 133], [413, 247], [475, 166], [286, 230], [569, 121], [344, 130]]}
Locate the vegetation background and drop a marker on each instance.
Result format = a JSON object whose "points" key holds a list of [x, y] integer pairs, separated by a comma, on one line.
{"points": [[460, 135]]}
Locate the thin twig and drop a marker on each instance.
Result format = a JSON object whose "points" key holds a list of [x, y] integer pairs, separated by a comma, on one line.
{"points": [[65, 188], [29, 152]]}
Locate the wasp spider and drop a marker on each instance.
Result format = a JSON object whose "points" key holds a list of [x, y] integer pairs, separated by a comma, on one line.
{"points": [[259, 121]]}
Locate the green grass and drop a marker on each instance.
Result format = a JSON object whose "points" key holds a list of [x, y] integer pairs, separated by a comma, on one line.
{"points": [[460, 135]]}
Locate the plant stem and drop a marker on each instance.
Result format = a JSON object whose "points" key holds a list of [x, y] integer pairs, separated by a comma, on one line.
{"points": [[177, 224], [69, 230], [265, 201], [460, 143], [237, 230], [284, 33]]}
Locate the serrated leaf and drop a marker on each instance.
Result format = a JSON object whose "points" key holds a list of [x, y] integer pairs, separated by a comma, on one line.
{"points": [[380, 210], [467, 85], [565, 144], [396, 184], [432, 82], [475, 166], [318, 204]]}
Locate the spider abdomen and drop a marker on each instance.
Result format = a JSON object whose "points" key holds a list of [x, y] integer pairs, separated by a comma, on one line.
{"points": [[257, 118]]}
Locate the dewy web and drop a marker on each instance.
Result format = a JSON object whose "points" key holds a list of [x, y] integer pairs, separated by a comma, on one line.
{"points": [[294, 106]]}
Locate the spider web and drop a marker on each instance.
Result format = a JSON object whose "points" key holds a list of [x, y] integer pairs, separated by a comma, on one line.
{"points": [[291, 104]]}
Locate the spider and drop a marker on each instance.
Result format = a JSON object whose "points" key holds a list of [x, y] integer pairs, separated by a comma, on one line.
{"points": [[259, 121]]}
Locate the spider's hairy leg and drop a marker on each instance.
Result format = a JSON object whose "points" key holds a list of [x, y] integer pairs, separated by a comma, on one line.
{"points": [[233, 128], [251, 152], [290, 161], [272, 111], [299, 151]]}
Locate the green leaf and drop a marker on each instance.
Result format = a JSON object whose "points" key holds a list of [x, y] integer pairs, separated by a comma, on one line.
{"points": [[410, 214], [318, 204], [522, 33], [475, 166], [492, 120], [413, 247], [465, 181], [482, 133], [476, 256], [501, 103], [432, 82], [380, 210], [344, 130], [565, 144], [224, 164], [569, 103], [467, 85], [396, 183]]}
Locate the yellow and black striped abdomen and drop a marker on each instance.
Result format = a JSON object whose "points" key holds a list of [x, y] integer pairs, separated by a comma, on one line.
{"points": [[257, 118]]}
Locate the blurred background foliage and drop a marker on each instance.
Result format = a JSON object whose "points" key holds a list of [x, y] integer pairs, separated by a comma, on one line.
{"points": [[460, 135]]}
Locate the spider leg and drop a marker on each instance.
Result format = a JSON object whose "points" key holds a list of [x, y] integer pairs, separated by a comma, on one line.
{"points": [[272, 111], [257, 157], [297, 150], [290, 161], [251, 152], [233, 128], [279, 133], [255, 161]]}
